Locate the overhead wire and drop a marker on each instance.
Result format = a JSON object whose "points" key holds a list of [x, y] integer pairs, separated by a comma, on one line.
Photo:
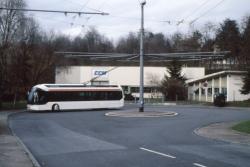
{"points": [[85, 5], [76, 24], [134, 18], [191, 13], [51, 11], [102, 4], [66, 12], [206, 12], [196, 9], [150, 20], [169, 22]]}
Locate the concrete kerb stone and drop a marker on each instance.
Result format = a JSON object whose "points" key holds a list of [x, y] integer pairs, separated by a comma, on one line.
{"points": [[4, 123], [164, 104], [4, 119], [30, 155], [155, 104], [145, 114], [222, 131]]}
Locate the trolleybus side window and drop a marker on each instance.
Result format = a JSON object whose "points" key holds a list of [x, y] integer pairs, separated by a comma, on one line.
{"points": [[42, 96], [115, 95], [84, 96], [38, 96]]}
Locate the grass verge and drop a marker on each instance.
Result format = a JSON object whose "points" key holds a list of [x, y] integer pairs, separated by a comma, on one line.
{"points": [[11, 106], [245, 103], [242, 127]]}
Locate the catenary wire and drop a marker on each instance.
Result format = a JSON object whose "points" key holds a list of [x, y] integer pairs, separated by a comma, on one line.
{"points": [[206, 12]]}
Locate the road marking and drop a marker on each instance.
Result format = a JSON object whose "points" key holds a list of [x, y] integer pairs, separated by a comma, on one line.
{"points": [[196, 164], [159, 153]]}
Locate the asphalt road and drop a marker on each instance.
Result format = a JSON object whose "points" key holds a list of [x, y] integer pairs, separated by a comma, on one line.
{"points": [[90, 139]]}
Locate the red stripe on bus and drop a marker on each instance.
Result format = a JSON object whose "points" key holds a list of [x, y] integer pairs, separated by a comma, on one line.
{"points": [[92, 90]]}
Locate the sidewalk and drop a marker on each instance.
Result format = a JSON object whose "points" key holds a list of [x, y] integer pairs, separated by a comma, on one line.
{"points": [[12, 152]]}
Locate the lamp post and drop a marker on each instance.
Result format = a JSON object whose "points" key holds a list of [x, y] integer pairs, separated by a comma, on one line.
{"points": [[141, 108]]}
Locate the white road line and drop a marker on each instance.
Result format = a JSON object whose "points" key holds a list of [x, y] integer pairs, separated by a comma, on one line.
{"points": [[162, 154], [196, 164]]}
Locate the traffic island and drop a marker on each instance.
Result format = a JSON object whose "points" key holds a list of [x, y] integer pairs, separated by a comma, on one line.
{"points": [[137, 114], [243, 127], [223, 131]]}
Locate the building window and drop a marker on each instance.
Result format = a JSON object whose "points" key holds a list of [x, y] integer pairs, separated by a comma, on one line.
{"points": [[216, 91], [209, 91], [125, 89], [196, 91], [134, 89], [224, 91], [202, 91]]}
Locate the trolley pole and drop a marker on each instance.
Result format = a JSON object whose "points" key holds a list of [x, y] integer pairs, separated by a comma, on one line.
{"points": [[141, 108]]}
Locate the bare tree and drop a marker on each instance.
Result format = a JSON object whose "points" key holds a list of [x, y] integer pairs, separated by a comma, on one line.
{"points": [[128, 44], [97, 42], [10, 22]]}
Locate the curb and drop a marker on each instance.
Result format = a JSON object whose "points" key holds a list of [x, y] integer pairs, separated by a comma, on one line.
{"points": [[26, 150], [155, 104], [141, 115], [164, 104], [192, 106], [219, 138], [3, 124], [196, 132]]}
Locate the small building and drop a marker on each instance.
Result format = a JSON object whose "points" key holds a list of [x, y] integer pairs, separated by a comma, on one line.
{"points": [[227, 82], [126, 76]]}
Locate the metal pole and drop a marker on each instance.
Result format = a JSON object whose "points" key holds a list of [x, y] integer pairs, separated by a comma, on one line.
{"points": [[141, 108]]}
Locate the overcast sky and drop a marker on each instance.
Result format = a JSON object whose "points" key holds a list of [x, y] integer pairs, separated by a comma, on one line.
{"points": [[160, 15]]}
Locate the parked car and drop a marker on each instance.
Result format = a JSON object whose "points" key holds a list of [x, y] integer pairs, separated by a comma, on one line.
{"points": [[130, 97], [220, 100]]}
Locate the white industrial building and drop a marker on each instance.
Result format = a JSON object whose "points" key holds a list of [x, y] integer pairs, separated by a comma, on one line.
{"points": [[126, 76], [201, 87], [226, 82]]}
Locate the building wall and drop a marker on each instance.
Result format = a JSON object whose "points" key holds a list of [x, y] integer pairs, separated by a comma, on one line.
{"points": [[228, 84], [193, 72], [235, 84], [68, 75], [120, 75]]}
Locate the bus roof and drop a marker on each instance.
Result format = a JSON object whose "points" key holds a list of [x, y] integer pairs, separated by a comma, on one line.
{"points": [[76, 85], [50, 87]]}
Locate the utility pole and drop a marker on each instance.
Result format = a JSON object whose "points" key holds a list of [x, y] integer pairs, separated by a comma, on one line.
{"points": [[141, 108]]}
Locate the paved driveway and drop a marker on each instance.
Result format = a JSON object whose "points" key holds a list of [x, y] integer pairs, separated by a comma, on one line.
{"points": [[88, 138]]}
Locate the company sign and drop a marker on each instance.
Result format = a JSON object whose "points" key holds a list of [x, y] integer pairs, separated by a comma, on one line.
{"points": [[100, 74]]}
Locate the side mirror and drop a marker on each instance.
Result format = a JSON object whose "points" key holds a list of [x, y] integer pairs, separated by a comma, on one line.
{"points": [[27, 95]]}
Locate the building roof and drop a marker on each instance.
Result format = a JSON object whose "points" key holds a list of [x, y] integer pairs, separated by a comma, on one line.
{"points": [[132, 59], [215, 75]]}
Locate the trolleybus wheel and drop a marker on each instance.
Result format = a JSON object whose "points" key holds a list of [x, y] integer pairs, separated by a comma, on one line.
{"points": [[55, 107]]}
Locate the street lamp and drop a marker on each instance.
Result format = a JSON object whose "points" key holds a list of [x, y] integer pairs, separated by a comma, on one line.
{"points": [[141, 108]]}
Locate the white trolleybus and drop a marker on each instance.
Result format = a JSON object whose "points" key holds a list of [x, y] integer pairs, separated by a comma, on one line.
{"points": [[58, 97]]}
